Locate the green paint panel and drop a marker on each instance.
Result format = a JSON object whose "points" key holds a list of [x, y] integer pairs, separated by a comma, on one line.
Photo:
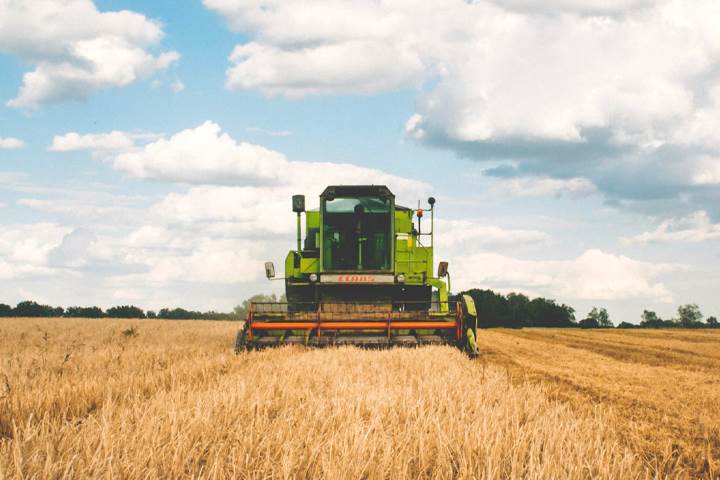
{"points": [[410, 255]]}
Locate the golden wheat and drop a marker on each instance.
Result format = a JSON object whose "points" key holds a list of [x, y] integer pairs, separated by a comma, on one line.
{"points": [[80, 399]]}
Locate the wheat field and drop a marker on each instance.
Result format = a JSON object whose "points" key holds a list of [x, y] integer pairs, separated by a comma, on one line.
{"points": [[151, 399]]}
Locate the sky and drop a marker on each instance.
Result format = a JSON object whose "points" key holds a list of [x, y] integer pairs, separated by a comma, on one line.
{"points": [[149, 150]]}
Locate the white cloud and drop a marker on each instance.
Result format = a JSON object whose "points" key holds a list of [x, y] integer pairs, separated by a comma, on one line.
{"points": [[273, 133], [177, 86], [169, 255], [588, 7], [696, 227], [454, 233], [594, 275], [251, 210], [74, 58], [207, 155], [552, 77], [73, 141], [203, 155], [348, 67], [10, 143], [566, 88], [210, 261], [707, 171], [502, 72], [530, 186], [81, 207], [24, 249], [242, 189]]}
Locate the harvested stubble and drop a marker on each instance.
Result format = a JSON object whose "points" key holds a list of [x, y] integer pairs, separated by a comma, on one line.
{"points": [[659, 388], [80, 399]]}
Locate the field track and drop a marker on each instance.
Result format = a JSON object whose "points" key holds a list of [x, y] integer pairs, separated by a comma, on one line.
{"points": [[80, 398]]}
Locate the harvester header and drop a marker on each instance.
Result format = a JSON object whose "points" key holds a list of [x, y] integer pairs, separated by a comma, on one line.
{"points": [[362, 275]]}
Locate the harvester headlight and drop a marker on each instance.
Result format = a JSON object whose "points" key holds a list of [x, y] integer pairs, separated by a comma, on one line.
{"points": [[401, 278], [313, 277]]}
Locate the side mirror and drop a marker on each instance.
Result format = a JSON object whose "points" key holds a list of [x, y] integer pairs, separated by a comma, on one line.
{"points": [[269, 270], [298, 202], [442, 269]]}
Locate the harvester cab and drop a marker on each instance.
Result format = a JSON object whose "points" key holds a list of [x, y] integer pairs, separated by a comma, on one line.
{"points": [[362, 275]]}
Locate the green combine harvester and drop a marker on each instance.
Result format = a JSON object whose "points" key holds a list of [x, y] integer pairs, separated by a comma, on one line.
{"points": [[363, 275]]}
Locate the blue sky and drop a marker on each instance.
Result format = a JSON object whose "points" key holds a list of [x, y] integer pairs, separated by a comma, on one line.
{"points": [[148, 150]]}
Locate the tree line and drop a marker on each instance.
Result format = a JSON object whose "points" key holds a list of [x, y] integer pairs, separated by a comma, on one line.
{"points": [[516, 310], [30, 308]]}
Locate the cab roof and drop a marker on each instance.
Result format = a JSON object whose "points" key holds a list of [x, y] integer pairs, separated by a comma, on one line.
{"points": [[357, 191]]}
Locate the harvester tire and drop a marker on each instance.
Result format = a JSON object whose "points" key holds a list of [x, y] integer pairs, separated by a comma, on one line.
{"points": [[241, 340], [471, 347]]}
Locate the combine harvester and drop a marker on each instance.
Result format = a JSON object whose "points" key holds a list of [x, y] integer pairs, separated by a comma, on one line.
{"points": [[362, 276]]}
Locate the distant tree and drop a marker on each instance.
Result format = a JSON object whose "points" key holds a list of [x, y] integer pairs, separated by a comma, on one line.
{"points": [[627, 325], [519, 306], [712, 322], [604, 318], [649, 319], [29, 308], [84, 312], [689, 315], [493, 309], [588, 323], [517, 310], [125, 311], [212, 315], [545, 312], [174, 314], [182, 314], [597, 318], [150, 314], [5, 310]]}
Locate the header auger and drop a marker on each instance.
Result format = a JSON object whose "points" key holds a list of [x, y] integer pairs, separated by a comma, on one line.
{"points": [[363, 275]]}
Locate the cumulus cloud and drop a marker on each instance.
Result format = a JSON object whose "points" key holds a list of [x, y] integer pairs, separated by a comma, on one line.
{"points": [[24, 248], [10, 143], [203, 155], [87, 208], [708, 171], [207, 155], [594, 275], [273, 133], [77, 49], [479, 234], [213, 261], [177, 86], [531, 186], [586, 7], [348, 67], [157, 255], [696, 227], [238, 188], [564, 89], [74, 141]]}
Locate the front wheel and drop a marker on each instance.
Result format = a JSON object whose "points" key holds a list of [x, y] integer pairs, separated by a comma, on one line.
{"points": [[241, 340], [471, 346]]}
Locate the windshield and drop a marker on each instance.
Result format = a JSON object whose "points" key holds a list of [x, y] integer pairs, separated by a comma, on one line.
{"points": [[356, 233]]}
